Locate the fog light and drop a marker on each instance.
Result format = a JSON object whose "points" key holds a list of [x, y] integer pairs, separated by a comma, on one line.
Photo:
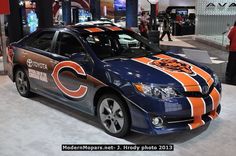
{"points": [[157, 121]]}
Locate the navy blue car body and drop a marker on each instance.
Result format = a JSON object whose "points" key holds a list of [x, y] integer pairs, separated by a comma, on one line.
{"points": [[158, 92]]}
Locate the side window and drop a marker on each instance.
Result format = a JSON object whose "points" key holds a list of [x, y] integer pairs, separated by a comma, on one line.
{"points": [[42, 41], [102, 45], [68, 45]]}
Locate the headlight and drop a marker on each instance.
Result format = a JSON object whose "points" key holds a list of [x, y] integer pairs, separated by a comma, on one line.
{"points": [[156, 91], [216, 79]]}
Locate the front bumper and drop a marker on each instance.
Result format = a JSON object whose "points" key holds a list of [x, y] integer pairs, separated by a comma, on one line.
{"points": [[178, 114], [142, 122], [185, 124]]}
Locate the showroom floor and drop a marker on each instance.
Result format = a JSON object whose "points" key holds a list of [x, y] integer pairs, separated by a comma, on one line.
{"points": [[39, 126]]}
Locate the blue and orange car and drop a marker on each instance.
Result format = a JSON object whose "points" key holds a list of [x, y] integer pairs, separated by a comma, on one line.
{"points": [[118, 76]]}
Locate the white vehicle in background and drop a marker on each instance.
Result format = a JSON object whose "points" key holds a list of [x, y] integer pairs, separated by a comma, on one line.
{"points": [[120, 23], [96, 23], [126, 41]]}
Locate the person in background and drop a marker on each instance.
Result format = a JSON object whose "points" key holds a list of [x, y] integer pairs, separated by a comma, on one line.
{"points": [[166, 28], [231, 66], [179, 19], [143, 27], [144, 17]]}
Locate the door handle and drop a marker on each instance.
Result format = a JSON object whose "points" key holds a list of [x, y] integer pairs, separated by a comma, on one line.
{"points": [[25, 53], [54, 61]]}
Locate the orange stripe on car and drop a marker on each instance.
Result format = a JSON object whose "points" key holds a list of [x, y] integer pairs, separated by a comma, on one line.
{"points": [[94, 30], [207, 77], [198, 122], [185, 80], [215, 97], [198, 108], [113, 28]]}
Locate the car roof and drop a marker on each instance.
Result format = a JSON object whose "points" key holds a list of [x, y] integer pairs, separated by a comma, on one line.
{"points": [[98, 22], [89, 29]]}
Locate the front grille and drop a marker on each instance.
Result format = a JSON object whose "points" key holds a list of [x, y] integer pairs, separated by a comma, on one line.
{"points": [[197, 94], [179, 120], [183, 120]]}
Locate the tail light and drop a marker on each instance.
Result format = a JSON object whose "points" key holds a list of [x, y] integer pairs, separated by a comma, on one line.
{"points": [[10, 54]]}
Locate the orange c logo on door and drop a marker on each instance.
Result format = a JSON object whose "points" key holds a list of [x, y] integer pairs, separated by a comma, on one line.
{"points": [[81, 91]]}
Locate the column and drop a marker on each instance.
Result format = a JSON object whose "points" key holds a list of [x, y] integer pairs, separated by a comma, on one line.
{"points": [[131, 13], [95, 9], [153, 21], [15, 30], [44, 13], [66, 11]]}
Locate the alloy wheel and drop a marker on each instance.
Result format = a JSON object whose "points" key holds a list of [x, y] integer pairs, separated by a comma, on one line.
{"points": [[22, 83], [111, 115]]}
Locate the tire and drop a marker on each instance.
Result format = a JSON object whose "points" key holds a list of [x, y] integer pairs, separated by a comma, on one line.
{"points": [[22, 83], [114, 115]]}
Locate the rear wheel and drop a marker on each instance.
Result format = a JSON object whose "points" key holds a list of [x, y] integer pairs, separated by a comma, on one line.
{"points": [[22, 83], [114, 115]]}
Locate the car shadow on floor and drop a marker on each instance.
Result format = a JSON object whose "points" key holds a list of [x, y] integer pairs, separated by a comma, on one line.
{"points": [[133, 137]]}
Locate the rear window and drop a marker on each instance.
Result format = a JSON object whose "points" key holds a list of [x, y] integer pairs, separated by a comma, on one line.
{"points": [[42, 41]]}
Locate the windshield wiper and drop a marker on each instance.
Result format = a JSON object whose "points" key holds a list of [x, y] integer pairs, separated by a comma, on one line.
{"points": [[115, 58]]}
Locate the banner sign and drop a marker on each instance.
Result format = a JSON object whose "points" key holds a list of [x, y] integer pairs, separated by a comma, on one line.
{"points": [[216, 7], [4, 7]]}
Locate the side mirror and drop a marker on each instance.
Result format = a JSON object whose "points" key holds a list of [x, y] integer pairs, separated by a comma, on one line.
{"points": [[80, 57]]}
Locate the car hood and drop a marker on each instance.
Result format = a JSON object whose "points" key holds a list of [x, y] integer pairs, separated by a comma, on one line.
{"points": [[163, 70]]}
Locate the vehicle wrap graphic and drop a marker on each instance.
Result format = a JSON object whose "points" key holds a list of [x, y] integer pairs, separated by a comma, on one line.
{"points": [[114, 28], [189, 83], [173, 65], [80, 84], [203, 74], [215, 97], [81, 91], [94, 30]]}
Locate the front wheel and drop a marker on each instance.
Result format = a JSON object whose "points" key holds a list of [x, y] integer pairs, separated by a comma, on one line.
{"points": [[22, 83], [114, 115]]}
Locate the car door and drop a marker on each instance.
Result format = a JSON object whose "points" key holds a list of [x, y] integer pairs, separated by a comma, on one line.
{"points": [[37, 55], [71, 73]]}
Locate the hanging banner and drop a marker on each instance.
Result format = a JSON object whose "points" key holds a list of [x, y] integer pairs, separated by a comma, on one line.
{"points": [[4, 7]]}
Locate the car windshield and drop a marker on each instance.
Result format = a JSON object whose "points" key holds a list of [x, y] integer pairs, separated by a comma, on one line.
{"points": [[120, 44]]}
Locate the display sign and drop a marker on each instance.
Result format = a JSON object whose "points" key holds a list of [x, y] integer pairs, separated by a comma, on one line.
{"points": [[4, 7], [32, 20], [120, 5], [221, 5], [84, 15], [120, 9], [216, 7]]}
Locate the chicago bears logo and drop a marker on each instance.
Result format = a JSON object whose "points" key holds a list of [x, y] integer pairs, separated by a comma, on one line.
{"points": [[81, 91], [173, 65]]}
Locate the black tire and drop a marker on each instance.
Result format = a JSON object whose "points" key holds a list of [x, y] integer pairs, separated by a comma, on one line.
{"points": [[115, 117], [22, 83]]}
